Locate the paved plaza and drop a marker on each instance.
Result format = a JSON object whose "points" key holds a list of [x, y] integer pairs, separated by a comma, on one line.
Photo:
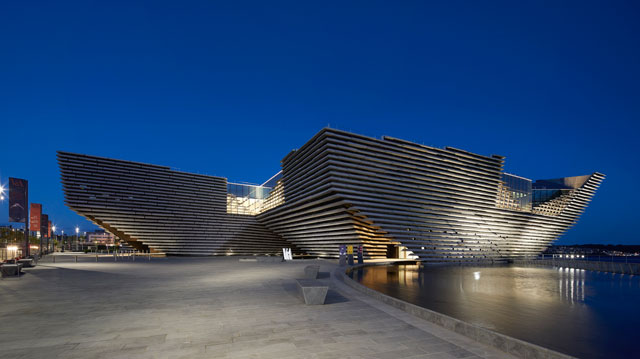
{"points": [[205, 308]]}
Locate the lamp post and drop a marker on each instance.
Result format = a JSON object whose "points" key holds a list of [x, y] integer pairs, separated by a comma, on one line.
{"points": [[51, 247], [77, 237], [2, 200]]}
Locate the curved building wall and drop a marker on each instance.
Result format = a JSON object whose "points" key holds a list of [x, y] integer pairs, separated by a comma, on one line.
{"points": [[441, 204], [337, 189], [154, 207]]}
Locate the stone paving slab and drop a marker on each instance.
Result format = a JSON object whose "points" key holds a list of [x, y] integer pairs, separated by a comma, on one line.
{"points": [[206, 308]]}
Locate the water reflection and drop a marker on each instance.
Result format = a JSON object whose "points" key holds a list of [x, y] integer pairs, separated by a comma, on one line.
{"points": [[578, 312], [571, 284]]}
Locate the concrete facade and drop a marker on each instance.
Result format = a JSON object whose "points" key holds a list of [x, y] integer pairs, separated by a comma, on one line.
{"points": [[337, 189]]}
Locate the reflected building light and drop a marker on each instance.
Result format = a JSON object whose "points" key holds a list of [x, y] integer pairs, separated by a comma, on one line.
{"points": [[571, 284], [582, 285], [476, 275]]}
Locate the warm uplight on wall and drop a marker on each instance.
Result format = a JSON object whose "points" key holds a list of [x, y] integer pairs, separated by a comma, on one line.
{"points": [[476, 275], [12, 248]]}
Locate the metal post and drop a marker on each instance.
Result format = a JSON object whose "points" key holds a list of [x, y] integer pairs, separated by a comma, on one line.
{"points": [[26, 223], [96, 257], [76, 259]]}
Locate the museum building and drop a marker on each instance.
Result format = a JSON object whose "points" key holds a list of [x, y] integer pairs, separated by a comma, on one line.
{"points": [[395, 198]]}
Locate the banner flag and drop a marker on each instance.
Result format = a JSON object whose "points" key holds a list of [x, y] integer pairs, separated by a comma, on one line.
{"points": [[35, 215], [43, 225], [18, 191]]}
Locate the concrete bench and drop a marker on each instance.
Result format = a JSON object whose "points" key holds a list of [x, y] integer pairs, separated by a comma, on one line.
{"points": [[10, 269], [262, 259], [313, 291], [27, 262], [311, 271]]}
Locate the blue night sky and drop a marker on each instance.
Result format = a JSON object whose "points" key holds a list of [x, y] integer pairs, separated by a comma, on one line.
{"points": [[229, 88]]}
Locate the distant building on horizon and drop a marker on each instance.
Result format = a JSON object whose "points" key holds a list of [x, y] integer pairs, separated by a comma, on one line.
{"points": [[101, 237], [393, 197]]}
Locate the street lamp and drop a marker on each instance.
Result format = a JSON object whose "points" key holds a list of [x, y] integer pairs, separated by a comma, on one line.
{"points": [[77, 238], [51, 246], [1, 198]]}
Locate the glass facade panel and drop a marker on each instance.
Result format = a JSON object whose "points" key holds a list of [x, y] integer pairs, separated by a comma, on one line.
{"points": [[545, 195], [248, 191], [518, 192], [249, 199]]}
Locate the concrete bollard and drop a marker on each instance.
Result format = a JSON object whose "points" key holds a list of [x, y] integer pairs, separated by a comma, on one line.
{"points": [[149, 252], [342, 261]]}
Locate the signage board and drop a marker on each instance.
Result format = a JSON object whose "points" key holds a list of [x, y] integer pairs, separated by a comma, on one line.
{"points": [[35, 216], [44, 226], [18, 191]]}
